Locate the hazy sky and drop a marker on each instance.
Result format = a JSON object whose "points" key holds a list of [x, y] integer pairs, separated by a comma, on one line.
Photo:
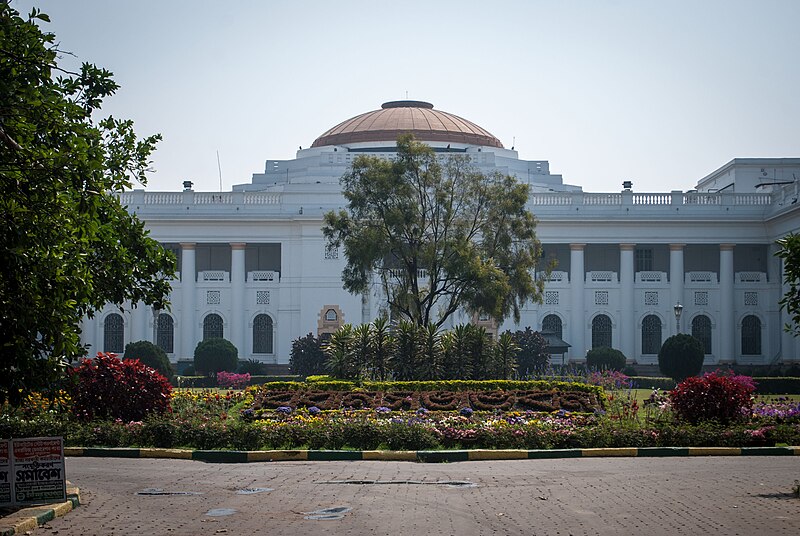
{"points": [[657, 92]]}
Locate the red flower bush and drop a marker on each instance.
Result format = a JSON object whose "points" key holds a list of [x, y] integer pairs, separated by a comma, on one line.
{"points": [[107, 388], [230, 380], [713, 397]]}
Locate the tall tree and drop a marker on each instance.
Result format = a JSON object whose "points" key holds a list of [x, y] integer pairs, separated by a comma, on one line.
{"points": [[67, 245], [439, 235], [789, 252]]}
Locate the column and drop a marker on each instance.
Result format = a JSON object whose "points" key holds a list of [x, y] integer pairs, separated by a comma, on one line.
{"points": [[188, 289], [727, 324], [89, 335], [140, 322], [627, 302], [577, 275], [238, 323], [676, 278]]}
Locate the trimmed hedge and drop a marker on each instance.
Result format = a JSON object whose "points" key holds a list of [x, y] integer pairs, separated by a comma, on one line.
{"points": [[190, 382]]}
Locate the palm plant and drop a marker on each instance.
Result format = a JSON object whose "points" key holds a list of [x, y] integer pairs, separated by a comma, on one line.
{"points": [[339, 351]]}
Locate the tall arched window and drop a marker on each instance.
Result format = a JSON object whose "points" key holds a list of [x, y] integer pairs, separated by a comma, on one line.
{"points": [[165, 333], [751, 335], [701, 330], [601, 331], [552, 323], [114, 334], [212, 327], [651, 334], [262, 335]]}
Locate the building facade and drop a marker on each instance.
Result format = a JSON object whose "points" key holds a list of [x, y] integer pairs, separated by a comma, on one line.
{"points": [[253, 266]]}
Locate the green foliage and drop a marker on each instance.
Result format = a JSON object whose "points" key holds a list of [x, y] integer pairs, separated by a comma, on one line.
{"points": [[605, 358], [504, 362], [149, 354], [789, 252], [442, 235], [532, 357], [67, 245], [215, 355], [252, 367], [307, 357], [681, 356], [107, 388], [339, 351]]}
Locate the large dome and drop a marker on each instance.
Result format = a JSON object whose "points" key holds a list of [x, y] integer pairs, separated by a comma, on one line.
{"points": [[406, 116]]}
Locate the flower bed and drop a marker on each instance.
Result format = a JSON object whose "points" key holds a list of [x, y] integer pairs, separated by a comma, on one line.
{"points": [[498, 400]]}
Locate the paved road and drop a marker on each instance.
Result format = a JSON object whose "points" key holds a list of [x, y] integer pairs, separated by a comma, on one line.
{"points": [[746, 496]]}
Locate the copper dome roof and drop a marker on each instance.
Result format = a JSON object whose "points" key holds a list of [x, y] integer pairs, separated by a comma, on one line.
{"points": [[406, 116]]}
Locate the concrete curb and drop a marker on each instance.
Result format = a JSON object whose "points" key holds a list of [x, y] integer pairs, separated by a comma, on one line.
{"points": [[425, 456], [29, 518]]}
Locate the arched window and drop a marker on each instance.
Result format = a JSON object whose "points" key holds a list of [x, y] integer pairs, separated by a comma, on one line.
{"points": [[601, 331], [114, 334], [701, 330], [331, 316], [165, 333], [651, 334], [751, 335], [212, 327], [552, 324], [262, 335]]}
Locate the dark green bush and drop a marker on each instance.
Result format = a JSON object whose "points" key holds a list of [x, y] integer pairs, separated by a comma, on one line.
{"points": [[252, 367], [215, 355], [307, 357], [680, 357], [149, 354], [605, 358]]}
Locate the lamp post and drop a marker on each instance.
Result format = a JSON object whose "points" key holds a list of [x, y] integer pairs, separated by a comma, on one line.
{"points": [[678, 308]]}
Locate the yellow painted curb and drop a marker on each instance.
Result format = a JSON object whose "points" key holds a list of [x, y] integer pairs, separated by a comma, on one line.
{"points": [[714, 451], [276, 455], [390, 455], [175, 454], [488, 454], [73, 451], [796, 450], [63, 508], [597, 453]]}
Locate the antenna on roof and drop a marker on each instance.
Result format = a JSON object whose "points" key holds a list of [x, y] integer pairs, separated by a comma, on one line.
{"points": [[406, 94], [513, 142], [219, 168]]}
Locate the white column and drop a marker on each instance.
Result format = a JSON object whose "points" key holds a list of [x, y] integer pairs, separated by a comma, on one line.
{"points": [[727, 324], [626, 293], [188, 286], [89, 335], [238, 323], [577, 275], [676, 278], [140, 321]]}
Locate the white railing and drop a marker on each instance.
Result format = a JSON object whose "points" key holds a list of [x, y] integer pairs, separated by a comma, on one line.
{"points": [[261, 198], [752, 199], [399, 273], [701, 277], [751, 277], [264, 275], [554, 276], [602, 199], [651, 277], [550, 199], [652, 199], [223, 198], [702, 199], [604, 276], [213, 275]]}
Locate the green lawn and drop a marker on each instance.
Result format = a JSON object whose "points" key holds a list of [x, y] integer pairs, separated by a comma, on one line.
{"points": [[642, 394]]}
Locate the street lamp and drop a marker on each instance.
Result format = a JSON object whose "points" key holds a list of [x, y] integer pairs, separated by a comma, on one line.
{"points": [[678, 308]]}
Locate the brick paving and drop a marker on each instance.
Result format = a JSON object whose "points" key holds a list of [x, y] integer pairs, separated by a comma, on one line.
{"points": [[703, 495]]}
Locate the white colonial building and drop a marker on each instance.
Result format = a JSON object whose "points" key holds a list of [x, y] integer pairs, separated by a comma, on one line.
{"points": [[253, 266]]}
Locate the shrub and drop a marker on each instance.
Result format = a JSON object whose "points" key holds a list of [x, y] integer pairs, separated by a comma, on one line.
{"points": [[713, 397], [107, 388], [252, 367], [533, 355], [150, 355], [307, 357], [226, 380], [605, 358], [681, 356], [215, 355]]}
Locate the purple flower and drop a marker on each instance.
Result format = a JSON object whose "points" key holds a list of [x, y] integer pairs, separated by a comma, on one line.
{"points": [[314, 410], [422, 411], [466, 412], [286, 410], [383, 410]]}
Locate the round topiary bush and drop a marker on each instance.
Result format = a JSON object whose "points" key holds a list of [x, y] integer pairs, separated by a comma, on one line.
{"points": [[681, 356], [215, 355], [149, 354], [713, 397], [107, 388], [605, 358]]}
